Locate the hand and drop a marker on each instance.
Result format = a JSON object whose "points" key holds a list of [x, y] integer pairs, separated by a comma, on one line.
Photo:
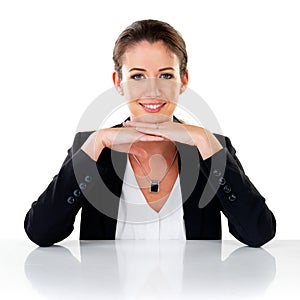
{"points": [[119, 139], [205, 141]]}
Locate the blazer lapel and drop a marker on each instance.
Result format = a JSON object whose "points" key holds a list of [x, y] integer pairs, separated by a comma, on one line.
{"points": [[189, 166], [112, 177]]}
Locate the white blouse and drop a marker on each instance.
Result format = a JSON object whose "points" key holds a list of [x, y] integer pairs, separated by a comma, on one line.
{"points": [[137, 220]]}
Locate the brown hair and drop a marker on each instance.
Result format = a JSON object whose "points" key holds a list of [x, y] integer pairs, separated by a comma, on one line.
{"points": [[151, 31]]}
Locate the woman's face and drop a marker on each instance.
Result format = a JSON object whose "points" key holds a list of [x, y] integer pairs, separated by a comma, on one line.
{"points": [[151, 81]]}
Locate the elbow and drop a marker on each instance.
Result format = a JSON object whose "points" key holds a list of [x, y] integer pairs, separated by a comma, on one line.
{"points": [[38, 239], [38, 236], [266, 237], [41, 243], [256, 237], [44, 239], [259, 242], [265, 233]]}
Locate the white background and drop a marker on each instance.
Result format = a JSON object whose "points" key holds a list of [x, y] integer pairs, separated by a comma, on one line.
{"points": [[56, 59]]}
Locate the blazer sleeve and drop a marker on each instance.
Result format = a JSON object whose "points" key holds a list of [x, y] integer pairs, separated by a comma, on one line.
{"points": [[249, 218], [51, 218]]}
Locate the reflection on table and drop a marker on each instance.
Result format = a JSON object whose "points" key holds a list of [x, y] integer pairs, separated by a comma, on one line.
{"points": [[150, 270]]}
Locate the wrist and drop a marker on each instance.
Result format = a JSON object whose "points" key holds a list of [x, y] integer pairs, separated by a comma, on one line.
{"points": [[94, 145], [208, 144]]}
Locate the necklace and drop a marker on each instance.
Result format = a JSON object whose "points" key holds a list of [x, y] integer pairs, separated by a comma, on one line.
{"points": [[154, 184]]}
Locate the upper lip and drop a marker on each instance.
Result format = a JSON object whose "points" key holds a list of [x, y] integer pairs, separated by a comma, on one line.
{"points": [[151, 103]]}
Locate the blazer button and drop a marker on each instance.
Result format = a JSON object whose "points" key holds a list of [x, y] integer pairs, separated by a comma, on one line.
{"points": [[227, 189], [71, 200], [217, 172], [88, 178], [232, 197], [222, 181], [77, 193], [82, 186]]}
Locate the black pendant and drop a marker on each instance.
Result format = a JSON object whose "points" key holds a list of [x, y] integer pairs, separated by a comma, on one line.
{"points": [[154, 186]]}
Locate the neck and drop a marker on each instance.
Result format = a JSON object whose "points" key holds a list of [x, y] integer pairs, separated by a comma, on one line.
{"points": [[164, 148]]}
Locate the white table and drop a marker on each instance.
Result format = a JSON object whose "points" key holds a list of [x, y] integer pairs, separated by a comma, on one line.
{"points": [[149, 270]]}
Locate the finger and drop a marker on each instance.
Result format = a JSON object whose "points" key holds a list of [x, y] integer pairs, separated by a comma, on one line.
{"points": [[140, 124], [152, 131], [151, 138]]}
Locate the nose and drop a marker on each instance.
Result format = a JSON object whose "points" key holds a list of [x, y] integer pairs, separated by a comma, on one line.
{"points": [[152, 88]]}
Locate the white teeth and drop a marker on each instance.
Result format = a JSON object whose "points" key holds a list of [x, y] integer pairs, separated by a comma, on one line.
{"points": [[152, 106]]}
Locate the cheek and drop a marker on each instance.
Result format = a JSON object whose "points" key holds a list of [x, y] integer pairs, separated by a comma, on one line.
{"points": [[133, 106], [172, 95], [169, 89]]}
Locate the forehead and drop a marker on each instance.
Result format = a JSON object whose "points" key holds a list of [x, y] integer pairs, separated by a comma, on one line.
{"points": [[145, 54]]}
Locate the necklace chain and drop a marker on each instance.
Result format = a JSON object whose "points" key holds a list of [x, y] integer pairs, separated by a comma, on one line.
{"points": [[154, 184]]}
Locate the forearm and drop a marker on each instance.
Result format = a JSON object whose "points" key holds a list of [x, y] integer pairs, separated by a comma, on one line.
{"points": [[205, 141], [51, 218], [249, 218]]}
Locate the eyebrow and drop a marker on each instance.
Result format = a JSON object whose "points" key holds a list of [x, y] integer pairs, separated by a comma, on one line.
{"points": [[144, 70]]}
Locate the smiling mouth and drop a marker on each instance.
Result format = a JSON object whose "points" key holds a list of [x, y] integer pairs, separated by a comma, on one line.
{"points": [[152, 107]]}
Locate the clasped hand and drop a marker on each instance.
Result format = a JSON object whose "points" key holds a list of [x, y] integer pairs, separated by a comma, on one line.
{"points": [[123, 139], [205, 141]]}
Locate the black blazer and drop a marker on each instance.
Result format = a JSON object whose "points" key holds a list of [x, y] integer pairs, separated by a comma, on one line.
{"points": [[208, 187]]}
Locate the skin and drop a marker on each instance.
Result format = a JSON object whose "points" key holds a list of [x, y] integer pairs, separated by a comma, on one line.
{"points": [[151, 135]]}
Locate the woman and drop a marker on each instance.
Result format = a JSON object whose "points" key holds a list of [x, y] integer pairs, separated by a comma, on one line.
{"points": [[145, 178]]}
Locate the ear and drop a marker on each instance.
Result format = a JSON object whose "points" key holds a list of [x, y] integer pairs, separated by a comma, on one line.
{"points": [[184, 82], [117, 83]]}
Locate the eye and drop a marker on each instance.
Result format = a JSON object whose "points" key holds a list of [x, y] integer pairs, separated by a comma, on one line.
{"points": [[166, 76], [137, 77]]}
